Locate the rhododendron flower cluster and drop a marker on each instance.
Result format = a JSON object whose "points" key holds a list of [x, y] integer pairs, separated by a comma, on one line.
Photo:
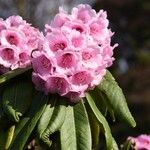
{"points": [[141, 142], [17, 40], [74, 54]]}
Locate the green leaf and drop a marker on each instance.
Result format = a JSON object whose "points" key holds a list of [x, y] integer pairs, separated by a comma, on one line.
{"points": [[75, 133], [6, 134], [16, 99], [102, 97], [116, 99], [115, 146], [19, 126], [99, 101], [9, 136], [37, 108], [102, 121], [52, 119], [95, 128], [11, 74]]}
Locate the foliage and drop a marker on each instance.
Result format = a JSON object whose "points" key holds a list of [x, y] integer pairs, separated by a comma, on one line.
{"points": [[55, 122]]}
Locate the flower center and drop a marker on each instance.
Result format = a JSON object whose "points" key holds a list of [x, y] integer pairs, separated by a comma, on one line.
{"points": [[86, 55], [45, 62], [78, 28], [66, 61], [8, 54], [60, 45], [12, 39]]}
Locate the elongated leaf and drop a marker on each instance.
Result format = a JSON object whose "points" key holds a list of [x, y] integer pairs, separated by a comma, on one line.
{"points": [[101, 98], [17, 98], [102, 121], [38, 107], [52, 119], [116, 99], [9, 136], [115, 146], [6, 133], [19, 126], [95, 128], [99, 101], [75, 133], [11, 74]]}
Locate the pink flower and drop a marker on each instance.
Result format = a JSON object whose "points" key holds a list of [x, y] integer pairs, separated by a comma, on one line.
{"points": [[92, 58], [67, 60], [60, 19], [56, 84], [42, 65], [83, 13], [9, 56], [3, 25], [12, 37], [99, 31], [81, 78], [15, 21], [39, 82], [73, 56], [77, 40], [17, 41], [73, 96], [76, 25], [24, 57], [57, 41], [141, 142]]}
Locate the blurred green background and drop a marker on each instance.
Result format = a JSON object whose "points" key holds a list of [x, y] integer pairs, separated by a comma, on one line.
{"points": [[130, 20]]}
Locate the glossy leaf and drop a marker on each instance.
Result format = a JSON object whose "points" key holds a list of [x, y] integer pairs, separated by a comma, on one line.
{"points": [[11, 74], [75, 133], [102, 121], [52, 119], [37, 108], [16, 99], [116, 99]]}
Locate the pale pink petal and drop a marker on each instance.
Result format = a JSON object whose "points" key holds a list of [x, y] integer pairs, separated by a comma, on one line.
{"points": [[57, 41], [12, 37], [81, 78], [66, 60], [8, 56], [15, 21], [73, 96], [42, 65], [39, 82], [83, 12], [57, 85], [3, 25]]}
